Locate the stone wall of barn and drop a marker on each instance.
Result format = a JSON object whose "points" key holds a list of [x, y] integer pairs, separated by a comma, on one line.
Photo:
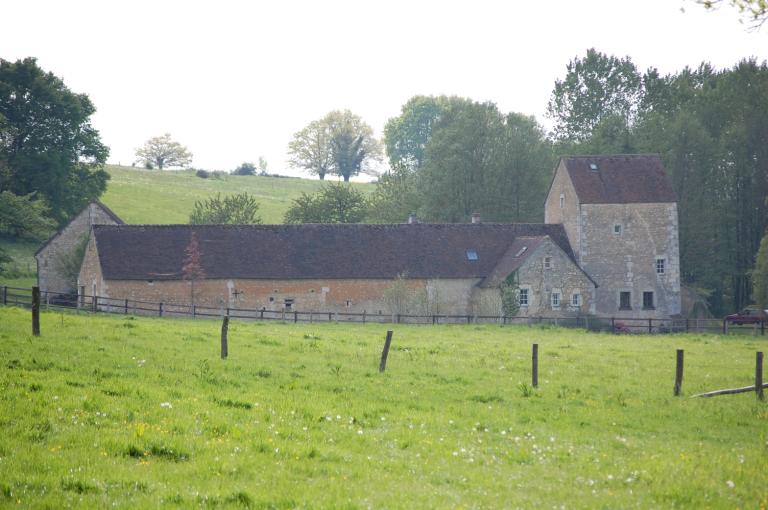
{"points": [[620, 247], [421, 296], [58, 253]]}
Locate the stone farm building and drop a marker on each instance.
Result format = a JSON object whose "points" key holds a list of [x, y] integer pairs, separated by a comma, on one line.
{"points": [[608, 247]]}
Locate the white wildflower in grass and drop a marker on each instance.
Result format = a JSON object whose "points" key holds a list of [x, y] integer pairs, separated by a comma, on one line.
{"points": [[730, 484], [360, 432], [166, 405]]}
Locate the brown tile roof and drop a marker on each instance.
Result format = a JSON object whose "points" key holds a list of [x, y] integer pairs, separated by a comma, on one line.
{"points": [[620, 179], [155, 252]]}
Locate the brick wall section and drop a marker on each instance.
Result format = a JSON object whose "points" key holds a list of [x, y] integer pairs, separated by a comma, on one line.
{"points": [[627, 261], [64, 244]]}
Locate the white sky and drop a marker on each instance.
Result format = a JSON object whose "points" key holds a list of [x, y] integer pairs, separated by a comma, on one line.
{"points": [[234, 80]]}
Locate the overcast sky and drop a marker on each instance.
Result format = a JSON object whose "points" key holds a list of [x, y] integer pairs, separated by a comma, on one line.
{"points": [[234, 80]]}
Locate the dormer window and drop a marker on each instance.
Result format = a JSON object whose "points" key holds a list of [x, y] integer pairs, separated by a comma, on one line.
{"points": [[562, 200], [593, 167], [471, 255]]}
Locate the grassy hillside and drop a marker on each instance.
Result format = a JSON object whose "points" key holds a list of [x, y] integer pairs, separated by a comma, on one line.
{"points": [[152, 196], [137, 413]]}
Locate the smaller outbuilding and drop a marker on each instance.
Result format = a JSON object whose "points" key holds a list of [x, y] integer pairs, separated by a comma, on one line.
{"points": [[59, 259]]}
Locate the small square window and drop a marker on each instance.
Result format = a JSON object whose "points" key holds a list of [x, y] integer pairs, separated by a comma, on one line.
{"points": [[617, 229], [288, 304], [471, 255], [625, 301], [555, 300], [547, 262], [661, 265], [523, 297], [576, 300], [648, 301]]}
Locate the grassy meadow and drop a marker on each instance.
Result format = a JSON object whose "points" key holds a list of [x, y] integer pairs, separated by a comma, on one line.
{"points": [[141, 412], [153, 196]]}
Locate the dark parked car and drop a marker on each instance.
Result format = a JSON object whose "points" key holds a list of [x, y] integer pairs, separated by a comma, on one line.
{"points": [[749, 315]]}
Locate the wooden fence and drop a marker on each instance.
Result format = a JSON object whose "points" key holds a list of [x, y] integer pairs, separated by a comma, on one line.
{"points": [[16, 296]]}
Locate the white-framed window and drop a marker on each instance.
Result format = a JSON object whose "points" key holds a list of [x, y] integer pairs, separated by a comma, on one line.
{"points": [[555, 299], [576, 300], [661, 265], [562, 200], [523, 297], [617, 228], [547, 262]]}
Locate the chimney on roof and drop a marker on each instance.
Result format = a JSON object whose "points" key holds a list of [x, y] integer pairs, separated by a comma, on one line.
{"points": [[412, 219], [476, 217]]}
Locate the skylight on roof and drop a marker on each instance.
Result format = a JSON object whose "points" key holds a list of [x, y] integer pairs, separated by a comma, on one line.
{"points": [[522, 250], [471, 255], [593, 166]]}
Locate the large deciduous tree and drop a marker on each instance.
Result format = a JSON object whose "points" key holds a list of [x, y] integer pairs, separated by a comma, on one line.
{"points": [[47, 142], [480, 160], [407, 135], [240, 209], [310, 149], [595, 87], [163, 152], [340, 143]]}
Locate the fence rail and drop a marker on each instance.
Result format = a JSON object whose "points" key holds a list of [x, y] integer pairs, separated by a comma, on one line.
{"points": [[16, 296]]}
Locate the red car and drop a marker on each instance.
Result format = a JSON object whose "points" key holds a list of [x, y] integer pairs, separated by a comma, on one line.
{"points": [[749, 315]]}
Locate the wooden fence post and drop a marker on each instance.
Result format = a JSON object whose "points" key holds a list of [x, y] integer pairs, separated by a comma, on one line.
{"points": [[5, 295], [385, 352], [295, 316], [126, 306], [725, 327], [194, 312], [759, 375], [224, 331], [94, 303], [650, 326], [363, 316], [535, 366], [679, 373], [160, 310], [36, 311]]}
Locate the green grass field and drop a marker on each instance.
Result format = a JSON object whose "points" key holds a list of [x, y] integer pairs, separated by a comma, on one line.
{"points": [[152, 196], [140, 412]]}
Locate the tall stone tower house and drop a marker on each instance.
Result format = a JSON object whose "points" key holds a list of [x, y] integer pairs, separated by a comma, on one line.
{"points": [[620, 216]]}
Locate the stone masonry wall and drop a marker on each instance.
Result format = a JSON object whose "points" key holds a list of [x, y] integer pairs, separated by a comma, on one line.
{"points": [[50, 274], [626, 261], [568, 214]]}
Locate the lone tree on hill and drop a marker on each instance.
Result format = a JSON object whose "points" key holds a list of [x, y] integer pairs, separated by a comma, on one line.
{"points": [[162, 152], [193, 266], [340, 143]]}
